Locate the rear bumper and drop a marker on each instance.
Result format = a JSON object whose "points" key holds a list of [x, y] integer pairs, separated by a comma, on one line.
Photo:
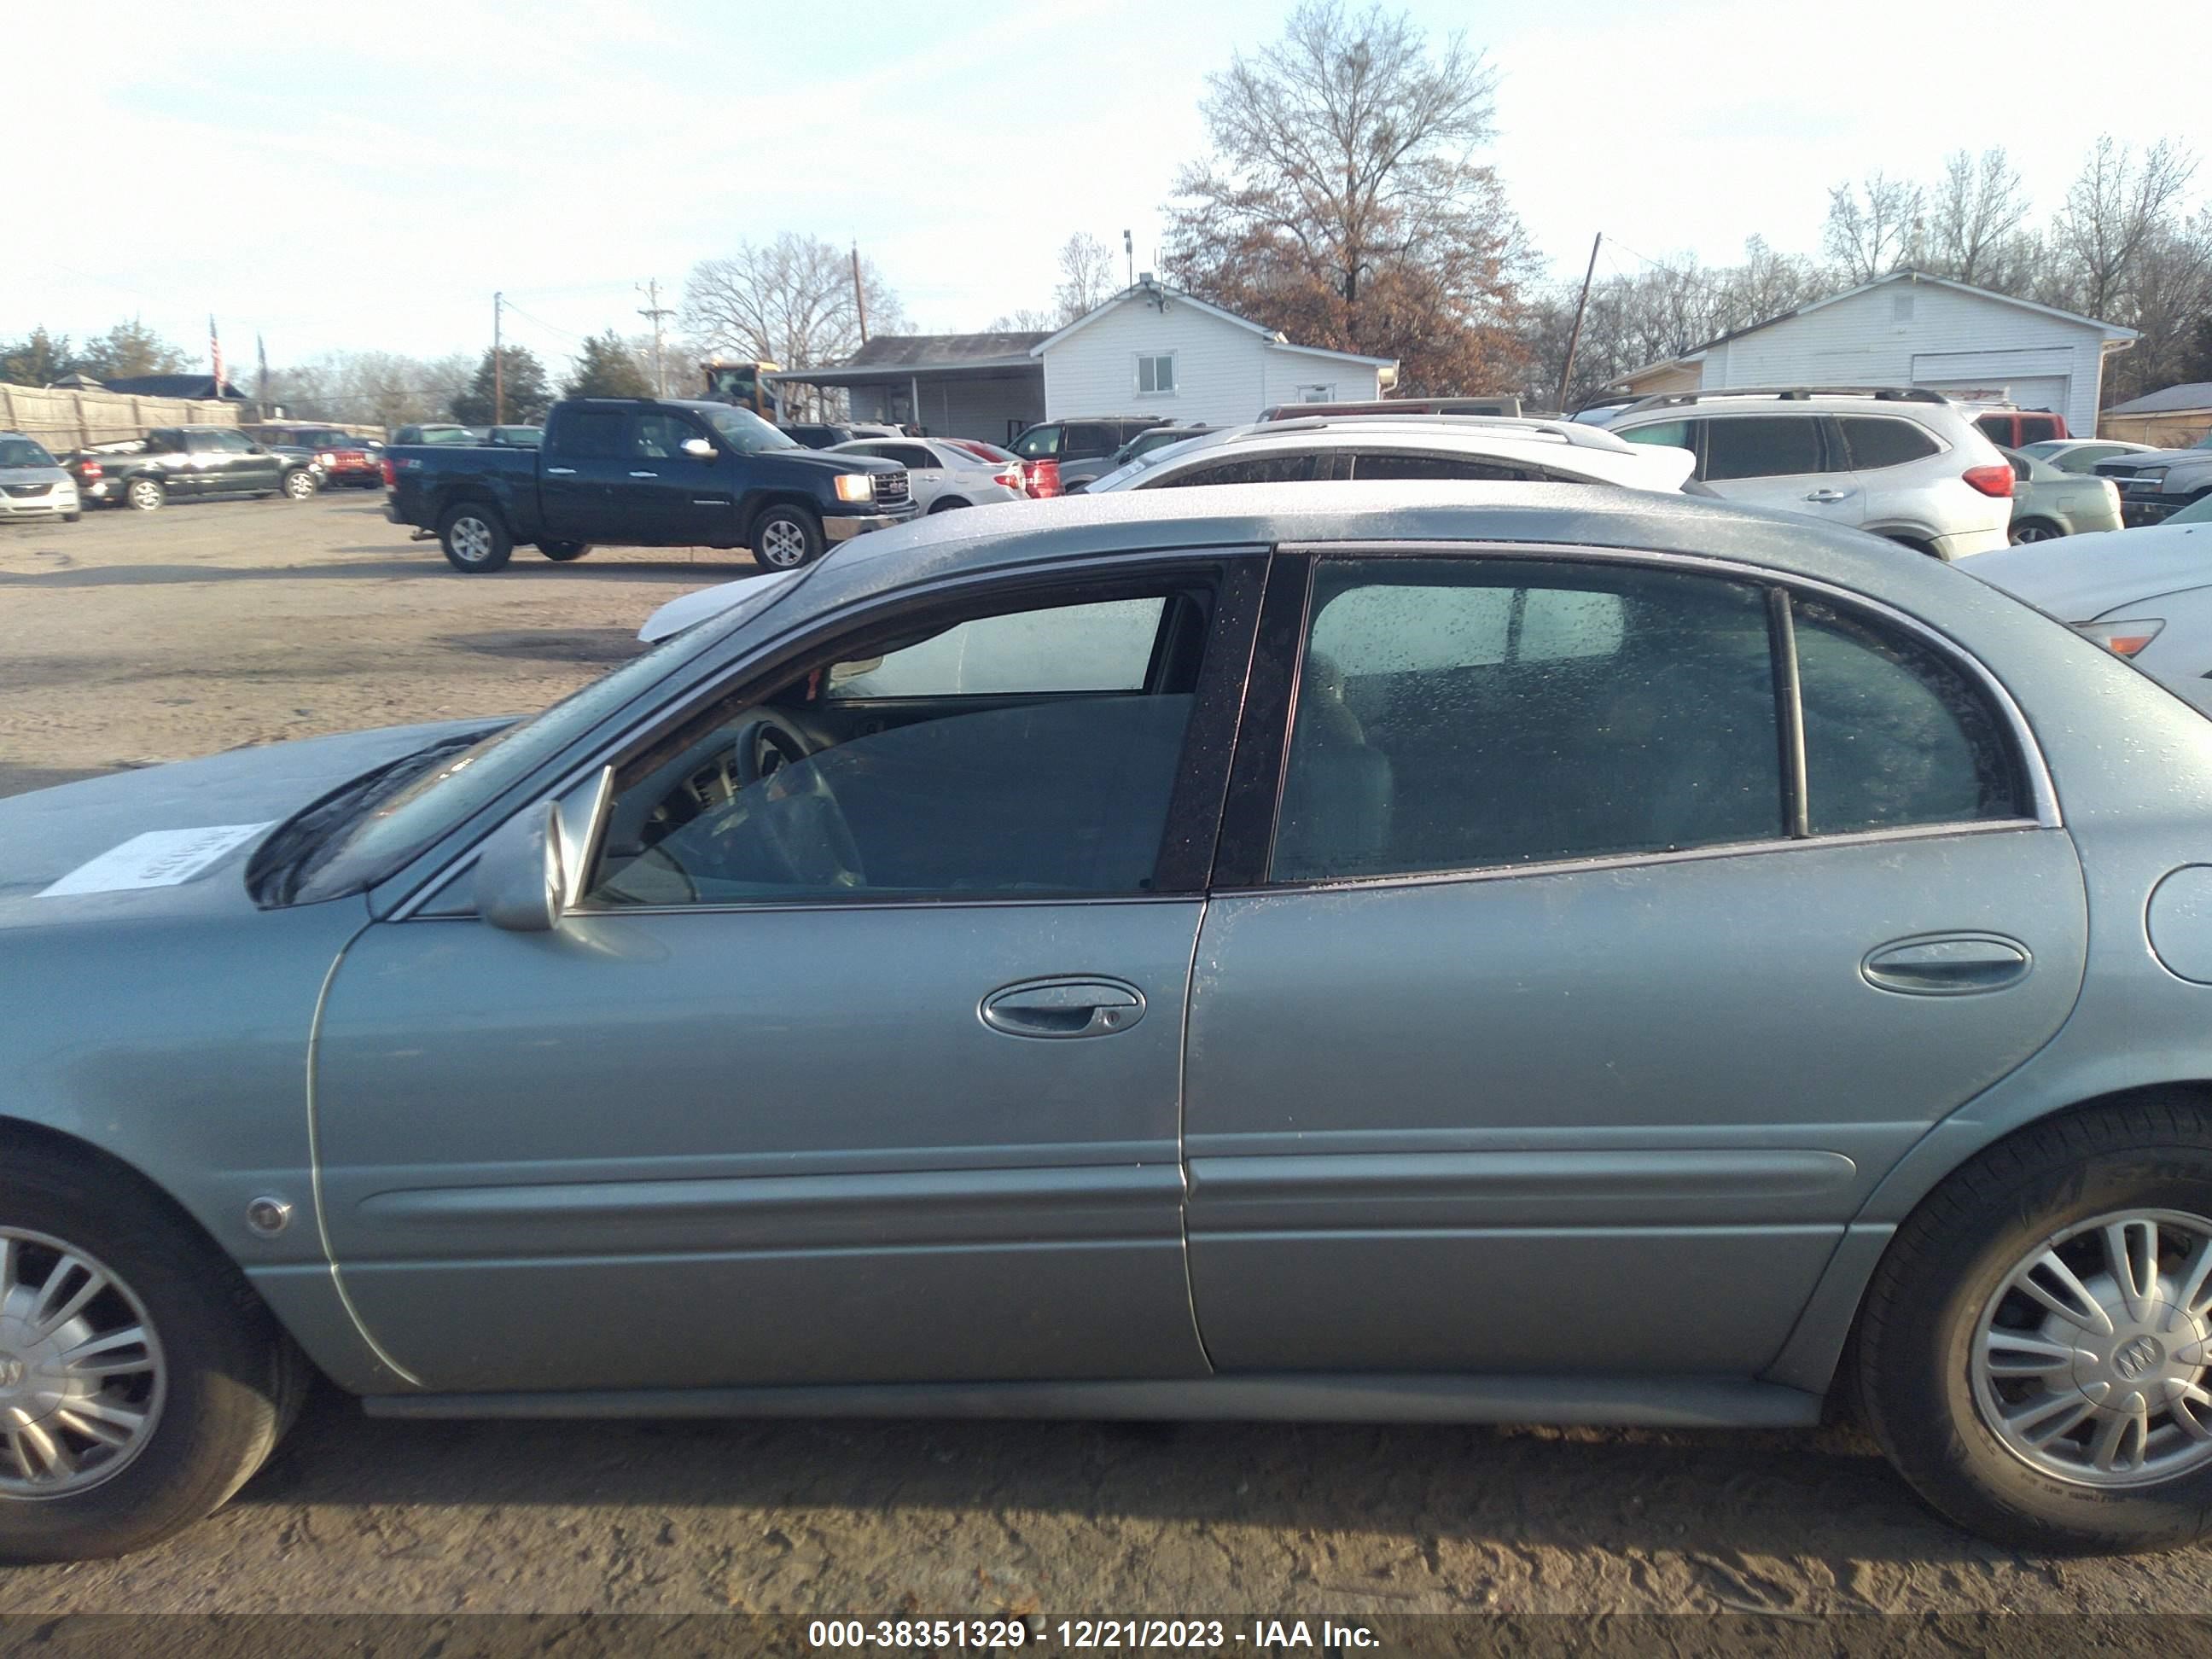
{"points": [[843, 526]]}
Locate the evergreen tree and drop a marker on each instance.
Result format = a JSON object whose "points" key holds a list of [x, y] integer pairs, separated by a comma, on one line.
{"points": [[605, 369], [528, 394]]}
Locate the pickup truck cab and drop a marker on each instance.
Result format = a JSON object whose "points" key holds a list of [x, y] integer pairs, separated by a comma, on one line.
{"points": [[642, 472]]}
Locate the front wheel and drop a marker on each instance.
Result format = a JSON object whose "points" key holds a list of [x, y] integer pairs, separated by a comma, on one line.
{"points": [[72, 518], [141, 1381], [2035, 529], [562, 552], [785, 538], [145, 495], [474, 539], [2032, 1353], [300, 484]]}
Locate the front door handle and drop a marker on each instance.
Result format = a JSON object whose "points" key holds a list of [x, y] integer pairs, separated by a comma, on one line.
{"points": [[1063, 1008], [1827, 494], [645, 474], [1947, 964], [560, 472]]}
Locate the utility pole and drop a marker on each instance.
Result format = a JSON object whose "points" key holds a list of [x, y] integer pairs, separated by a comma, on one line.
{"points": [[498, 366], [1575, 334], [860, 301], [1129, 252], [653, 312]]}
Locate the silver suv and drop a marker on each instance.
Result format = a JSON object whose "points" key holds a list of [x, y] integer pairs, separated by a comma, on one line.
{"points": [[1403, 448], [1900, 461]]}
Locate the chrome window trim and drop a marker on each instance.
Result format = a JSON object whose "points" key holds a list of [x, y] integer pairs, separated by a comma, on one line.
{"points": [[2042, 794]]}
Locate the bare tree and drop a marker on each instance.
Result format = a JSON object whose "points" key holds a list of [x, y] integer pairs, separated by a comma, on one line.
{"points": [[1086, 276], [1873, 226], [2115, 206], [1027, 320], [1978, 204], [1343, 203], [788, 301], [2169, 303]]}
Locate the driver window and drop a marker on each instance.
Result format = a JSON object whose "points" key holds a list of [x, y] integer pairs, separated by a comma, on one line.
{"points": [[1017, 754]]}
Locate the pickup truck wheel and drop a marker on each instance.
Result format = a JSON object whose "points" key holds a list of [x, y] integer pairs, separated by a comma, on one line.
{"points": [[300, 485], [145, 495], [785, 538], [474, 539], [561, 552]]}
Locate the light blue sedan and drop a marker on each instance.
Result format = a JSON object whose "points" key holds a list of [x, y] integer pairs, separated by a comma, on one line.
{"points": [[1484, 952]]}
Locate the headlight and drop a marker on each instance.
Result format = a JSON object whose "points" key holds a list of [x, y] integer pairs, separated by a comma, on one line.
{"points": [[326, 460], [2123, 639], [856, 487]]}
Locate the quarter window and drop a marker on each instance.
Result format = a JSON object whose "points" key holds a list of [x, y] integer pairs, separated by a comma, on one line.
{"points": [[1157, 373], [1873, 441], [1761, 446], [1895, 735], [1679, 434]]}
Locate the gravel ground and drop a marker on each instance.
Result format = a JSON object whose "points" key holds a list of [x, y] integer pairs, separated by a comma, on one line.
{"points": [[125, 640]]}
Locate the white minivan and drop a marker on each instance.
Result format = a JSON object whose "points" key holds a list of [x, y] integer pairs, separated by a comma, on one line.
{"points": [[1901, 462]]}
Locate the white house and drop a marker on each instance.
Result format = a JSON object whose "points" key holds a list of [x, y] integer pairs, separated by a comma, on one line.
{"points": [[1910, 329], [1152, 350]]}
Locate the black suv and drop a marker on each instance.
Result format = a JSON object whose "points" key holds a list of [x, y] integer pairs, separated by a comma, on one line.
{"points": [[815, 434], [1081, 437]]}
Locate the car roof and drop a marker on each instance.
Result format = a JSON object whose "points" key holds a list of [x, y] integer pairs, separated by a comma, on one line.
{"points": [[1553, 445], [1203, 523]]}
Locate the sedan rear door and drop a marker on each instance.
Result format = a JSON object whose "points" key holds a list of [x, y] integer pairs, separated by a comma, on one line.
{"points": [[1620, 924]]}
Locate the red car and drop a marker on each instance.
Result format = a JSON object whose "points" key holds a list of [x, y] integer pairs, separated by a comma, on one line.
{"points": [[342, 457]]}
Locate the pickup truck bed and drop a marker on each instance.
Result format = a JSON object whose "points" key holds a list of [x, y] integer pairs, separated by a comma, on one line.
{"points": [[642, 472]]}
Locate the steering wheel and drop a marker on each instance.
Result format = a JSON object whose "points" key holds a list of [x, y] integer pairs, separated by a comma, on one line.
{"points": [[805, 829], [762, 748]]}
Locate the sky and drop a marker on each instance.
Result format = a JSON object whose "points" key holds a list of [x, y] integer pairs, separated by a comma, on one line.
{"points": [[349, 178]]}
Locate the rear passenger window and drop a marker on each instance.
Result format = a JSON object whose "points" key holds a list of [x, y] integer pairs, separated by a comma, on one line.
{"points": [[1761, 446], [1255, 469], [1457, 714], [595, 434], [1873, 441], [1436, 467], [1895, 735]]}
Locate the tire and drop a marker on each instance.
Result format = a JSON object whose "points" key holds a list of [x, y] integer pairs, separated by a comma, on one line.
{"points": [[300, 485], [1961, 1431], [2035, 529], [950, 503], [474, 539], [72, 518], [786, 536], [220, 1377], [562, 552], [145, 495]]}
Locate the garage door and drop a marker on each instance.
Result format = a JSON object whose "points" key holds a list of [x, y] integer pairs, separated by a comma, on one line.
{"points": [[2034, 391]]}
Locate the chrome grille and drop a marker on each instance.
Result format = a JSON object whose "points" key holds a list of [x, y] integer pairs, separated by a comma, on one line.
{"points": [[892, 489], [31, 490]]}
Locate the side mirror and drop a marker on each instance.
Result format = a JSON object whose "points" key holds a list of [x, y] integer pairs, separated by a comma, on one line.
{"points": [[520, 884], [698, 449]]}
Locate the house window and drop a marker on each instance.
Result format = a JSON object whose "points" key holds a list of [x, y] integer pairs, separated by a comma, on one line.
{"points": [[1900, 307], [1157, 373], [1316, 394]]}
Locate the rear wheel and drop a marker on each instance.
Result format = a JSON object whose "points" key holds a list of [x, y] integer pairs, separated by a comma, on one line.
{"points": [[786, 536], [561, 552], [2032, 1352], [145, 495], [72, 518], [474, 539], [141, 1381], [2035, 529]]}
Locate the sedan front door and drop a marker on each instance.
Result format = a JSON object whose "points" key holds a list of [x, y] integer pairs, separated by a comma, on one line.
{"points": [[859, 1059], [1571, 1018]]}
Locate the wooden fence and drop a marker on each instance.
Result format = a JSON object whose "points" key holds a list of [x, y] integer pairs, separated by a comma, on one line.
{"points": [[64, 420]]}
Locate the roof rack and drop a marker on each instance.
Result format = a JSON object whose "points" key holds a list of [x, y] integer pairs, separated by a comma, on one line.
{"points": [[1891, 394], [1578, 433]]}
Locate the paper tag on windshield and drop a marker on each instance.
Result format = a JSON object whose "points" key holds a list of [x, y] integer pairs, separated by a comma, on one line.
{"points": [[159, 858]]}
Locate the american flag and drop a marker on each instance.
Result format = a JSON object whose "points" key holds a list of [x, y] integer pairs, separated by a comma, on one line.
{"points": [[214, 351]]}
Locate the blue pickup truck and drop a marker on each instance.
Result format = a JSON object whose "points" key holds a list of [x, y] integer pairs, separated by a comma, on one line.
{"points": [[641, 472]]}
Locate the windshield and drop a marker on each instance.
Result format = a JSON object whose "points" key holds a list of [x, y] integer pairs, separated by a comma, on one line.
{"points": [[746, 433], [23, 451], [385, 827], [2197, 511]]}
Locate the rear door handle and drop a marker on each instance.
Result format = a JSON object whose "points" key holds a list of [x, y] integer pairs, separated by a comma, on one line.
{"points": [[1827, 494], [1947, 964], [560, 472], [1063, 1008]]}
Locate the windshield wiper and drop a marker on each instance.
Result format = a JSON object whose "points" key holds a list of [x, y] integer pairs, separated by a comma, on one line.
{"points": [[282, 862]]}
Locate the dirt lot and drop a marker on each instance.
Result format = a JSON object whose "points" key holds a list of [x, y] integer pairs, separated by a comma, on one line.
{"points": [[125, 640]]}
